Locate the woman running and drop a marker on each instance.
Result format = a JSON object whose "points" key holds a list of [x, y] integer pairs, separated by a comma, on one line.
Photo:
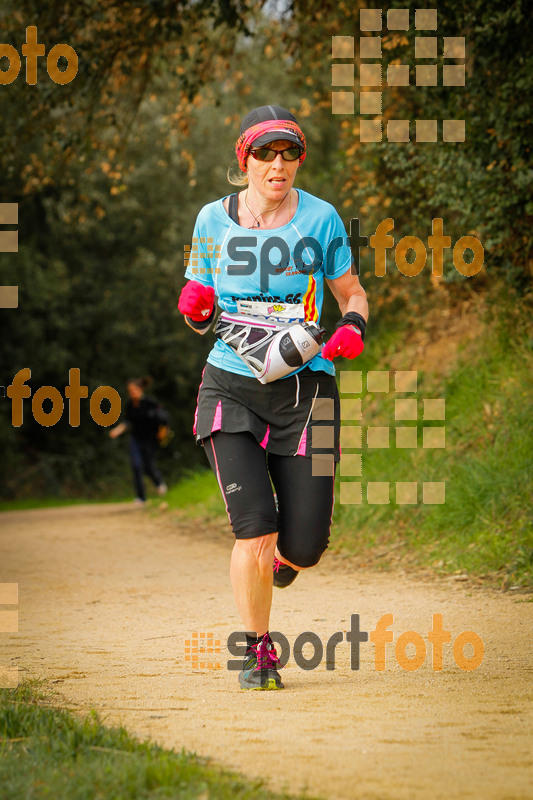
{"points": [[144, 416], [268, 413]]}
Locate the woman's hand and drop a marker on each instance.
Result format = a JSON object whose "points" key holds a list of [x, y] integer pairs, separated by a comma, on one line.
{"points": [[196, 301], [346, 341], [118, 430]]}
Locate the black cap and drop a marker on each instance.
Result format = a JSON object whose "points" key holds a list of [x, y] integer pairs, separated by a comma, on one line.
{"points": [[265, 113]]}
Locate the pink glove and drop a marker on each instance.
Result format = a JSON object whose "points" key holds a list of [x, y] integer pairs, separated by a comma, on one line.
{"points": [[196, 301], [346, 341]]}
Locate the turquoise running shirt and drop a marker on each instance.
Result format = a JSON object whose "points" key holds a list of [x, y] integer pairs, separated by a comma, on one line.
{"points": [[283, 267]]}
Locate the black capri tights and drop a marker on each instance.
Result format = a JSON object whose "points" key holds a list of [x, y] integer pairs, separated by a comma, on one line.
{"points": [[244, 472]]}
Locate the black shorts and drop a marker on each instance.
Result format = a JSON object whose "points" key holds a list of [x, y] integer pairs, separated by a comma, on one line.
{"points": [[283, 416], [246, 475]]}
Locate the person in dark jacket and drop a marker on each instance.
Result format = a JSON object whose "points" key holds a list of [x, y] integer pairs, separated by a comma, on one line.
{"points": [[144, 416]]}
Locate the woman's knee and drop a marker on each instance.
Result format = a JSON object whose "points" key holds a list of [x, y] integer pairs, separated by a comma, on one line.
{"points": [[303, 554], [261, 548]]}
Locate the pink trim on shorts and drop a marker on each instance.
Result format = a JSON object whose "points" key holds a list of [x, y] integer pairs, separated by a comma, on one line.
{"points": [[265, 439], [303, 444], [217, 420], [194, 425]]}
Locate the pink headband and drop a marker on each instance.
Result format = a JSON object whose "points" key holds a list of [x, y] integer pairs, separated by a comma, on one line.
{"points": [[246, 139]]}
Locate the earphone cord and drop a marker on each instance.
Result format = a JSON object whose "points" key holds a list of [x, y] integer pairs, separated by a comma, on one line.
{"points": [[270, 212]]}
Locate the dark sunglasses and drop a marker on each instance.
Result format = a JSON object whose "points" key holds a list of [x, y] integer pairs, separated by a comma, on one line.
{"points": [[266, 154]]}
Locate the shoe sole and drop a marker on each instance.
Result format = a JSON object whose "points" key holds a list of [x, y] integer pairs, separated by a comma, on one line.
{"points": [[283, 585], [284, 576], [270, 685]]}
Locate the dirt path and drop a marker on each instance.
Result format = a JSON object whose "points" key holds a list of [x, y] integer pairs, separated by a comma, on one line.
{"points": [[108, 596]]}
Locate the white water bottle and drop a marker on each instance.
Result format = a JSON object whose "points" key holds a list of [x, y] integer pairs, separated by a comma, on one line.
{"points": [[290, 349]]}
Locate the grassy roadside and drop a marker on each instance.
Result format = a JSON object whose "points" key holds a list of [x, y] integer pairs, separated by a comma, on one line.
{"points": [[53, 502], [196, 494], [485, 526], [48, 752]]}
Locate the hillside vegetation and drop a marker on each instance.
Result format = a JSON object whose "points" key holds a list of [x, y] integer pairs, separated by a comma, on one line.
{"points": [[480, 362]]}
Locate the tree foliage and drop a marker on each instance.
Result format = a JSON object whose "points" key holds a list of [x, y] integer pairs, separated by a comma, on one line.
{"points": [[102, 172], [481, 186], [110, 170]]}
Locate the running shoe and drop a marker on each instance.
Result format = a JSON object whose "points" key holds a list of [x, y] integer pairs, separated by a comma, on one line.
{"points": [[260, 667], [283, 574], [162, 489]]}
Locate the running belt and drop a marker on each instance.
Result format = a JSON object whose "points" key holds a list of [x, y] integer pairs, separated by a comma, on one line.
{"points": [[270, 348]]}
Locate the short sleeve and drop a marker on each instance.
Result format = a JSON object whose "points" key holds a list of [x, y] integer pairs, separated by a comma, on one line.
{"points": [[199, 259], [338, 258]]}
